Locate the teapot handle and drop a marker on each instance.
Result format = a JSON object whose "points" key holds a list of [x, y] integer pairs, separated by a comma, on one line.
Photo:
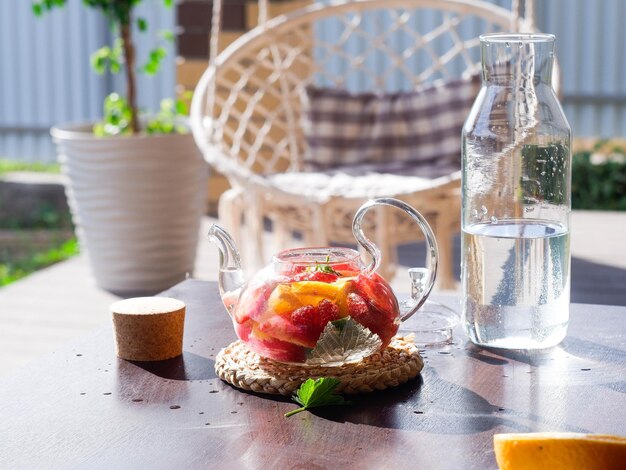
{"points": [[432, 253]]}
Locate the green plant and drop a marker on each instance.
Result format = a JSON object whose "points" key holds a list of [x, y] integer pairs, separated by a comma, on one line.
{"points": [[599, 185], [121, 114]]}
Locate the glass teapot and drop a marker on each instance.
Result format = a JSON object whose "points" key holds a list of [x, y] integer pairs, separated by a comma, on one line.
{"points": [[318, 306]]}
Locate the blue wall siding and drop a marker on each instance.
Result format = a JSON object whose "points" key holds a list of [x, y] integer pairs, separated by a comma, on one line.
{"points": [[45, 76], [591, 42]]}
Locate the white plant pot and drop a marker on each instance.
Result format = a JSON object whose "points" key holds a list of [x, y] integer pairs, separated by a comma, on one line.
{"points": [[137, 203]]}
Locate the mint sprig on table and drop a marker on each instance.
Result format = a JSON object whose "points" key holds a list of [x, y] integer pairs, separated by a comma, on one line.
{"points": [[316, 393]]}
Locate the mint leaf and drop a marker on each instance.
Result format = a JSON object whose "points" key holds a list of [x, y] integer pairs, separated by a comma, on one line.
{"points": [[324, 267], [344, 341], [315, 393]]}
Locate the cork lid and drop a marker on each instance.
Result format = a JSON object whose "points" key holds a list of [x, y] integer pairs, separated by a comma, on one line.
{"points": [[147, 305], [148, 328]]}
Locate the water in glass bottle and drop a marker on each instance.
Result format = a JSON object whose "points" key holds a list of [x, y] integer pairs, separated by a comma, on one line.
{"points": [[516, 199]]}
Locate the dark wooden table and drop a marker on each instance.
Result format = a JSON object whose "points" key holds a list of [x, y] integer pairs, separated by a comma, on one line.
{"points": [[83, 407]]}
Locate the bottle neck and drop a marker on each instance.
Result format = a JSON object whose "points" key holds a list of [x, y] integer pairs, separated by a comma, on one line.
{"points": [[518, 60]]}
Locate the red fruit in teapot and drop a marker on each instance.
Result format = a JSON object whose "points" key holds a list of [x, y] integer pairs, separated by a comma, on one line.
{"points": [[318, 276], [294, 329], [357, 307], [326, 311], [304, 315], [253, 303], [315, 318], [346, 269], [372, 318], [292, 270], [277, 349], [375, 290]]}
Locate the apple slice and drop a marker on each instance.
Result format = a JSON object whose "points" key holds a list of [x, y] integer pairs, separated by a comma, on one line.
{"points": [[273, 348], [243, 330], [253, 303], [282, 328]]}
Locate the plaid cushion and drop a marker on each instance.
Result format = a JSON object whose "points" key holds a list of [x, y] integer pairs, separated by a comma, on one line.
{"points": [[417, 131]]}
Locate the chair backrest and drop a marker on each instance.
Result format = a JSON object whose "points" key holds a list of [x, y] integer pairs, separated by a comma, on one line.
{"points": [[247, 107]]}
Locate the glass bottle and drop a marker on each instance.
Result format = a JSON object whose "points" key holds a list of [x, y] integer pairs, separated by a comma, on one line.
{"points": [[516, 199]]}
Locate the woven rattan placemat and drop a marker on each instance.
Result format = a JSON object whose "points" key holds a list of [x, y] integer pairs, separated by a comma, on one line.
{"points": [[396, 364]]}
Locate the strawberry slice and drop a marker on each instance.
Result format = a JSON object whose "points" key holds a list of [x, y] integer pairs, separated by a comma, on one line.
{"points": [[326, 311], [347, 269], [313, 320], [291, 270], [304, 315], [318, 276], [357, 306]]}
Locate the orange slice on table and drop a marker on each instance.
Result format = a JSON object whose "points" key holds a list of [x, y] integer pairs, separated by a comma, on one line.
{"points": [[559, 451]]}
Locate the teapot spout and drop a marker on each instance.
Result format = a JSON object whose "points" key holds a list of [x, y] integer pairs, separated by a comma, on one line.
{"points": [[231, 278]]}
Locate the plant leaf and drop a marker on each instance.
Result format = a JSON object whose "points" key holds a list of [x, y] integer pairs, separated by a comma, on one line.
{"points": [[316, 393], [116, 117], [182, 108], [41, 6], [325, 268], [142, 24], [100, 58], [344, 341], [155, 57], [167, 35]]}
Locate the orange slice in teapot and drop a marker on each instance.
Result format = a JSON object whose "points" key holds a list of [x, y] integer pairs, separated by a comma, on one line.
{"points": [[288, 297]]}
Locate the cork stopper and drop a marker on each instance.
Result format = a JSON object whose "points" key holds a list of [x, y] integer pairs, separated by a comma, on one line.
{"points": [[148, 328]]}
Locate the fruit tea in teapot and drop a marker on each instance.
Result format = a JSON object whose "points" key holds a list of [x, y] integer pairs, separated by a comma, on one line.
{"points": [[317, 306]]}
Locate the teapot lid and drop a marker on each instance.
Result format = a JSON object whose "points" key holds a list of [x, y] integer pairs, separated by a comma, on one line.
{"points": [[317, 255]]}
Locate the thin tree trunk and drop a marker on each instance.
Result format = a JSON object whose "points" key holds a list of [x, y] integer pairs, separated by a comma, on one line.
{"points": [[131, 79]]}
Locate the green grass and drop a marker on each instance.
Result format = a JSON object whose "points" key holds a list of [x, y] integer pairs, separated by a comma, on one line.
{"points": [[16, 263], [8, 166], [47, 217], [13, 269]]}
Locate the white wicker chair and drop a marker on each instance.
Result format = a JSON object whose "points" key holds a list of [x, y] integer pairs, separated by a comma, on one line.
{"points": [[246, 113]]}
